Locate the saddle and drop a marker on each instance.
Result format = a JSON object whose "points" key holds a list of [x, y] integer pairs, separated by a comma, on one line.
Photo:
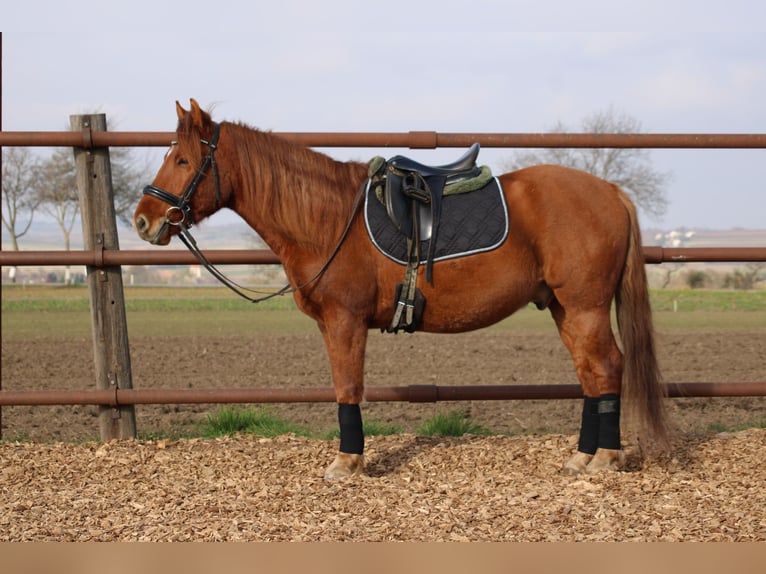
{"points": [[412, 193]]}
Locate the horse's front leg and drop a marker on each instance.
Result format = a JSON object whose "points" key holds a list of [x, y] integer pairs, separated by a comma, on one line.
{"points": [[345, 340]]}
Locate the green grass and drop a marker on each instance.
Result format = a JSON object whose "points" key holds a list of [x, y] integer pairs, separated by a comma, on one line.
{"points": [[163, 299], [720, 427], [257, 421], [453, 423], [42, 311], [57, 311], [153, 299], [260, 421], [708, 300]]}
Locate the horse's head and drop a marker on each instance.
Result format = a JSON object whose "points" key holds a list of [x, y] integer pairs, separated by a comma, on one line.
{"points": [[187, 187]]}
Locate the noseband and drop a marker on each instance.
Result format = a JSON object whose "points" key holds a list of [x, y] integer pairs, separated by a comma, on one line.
{"points": [[179, 212]]}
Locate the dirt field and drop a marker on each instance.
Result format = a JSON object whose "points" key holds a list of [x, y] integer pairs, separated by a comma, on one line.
{"points": [[500, 488]]}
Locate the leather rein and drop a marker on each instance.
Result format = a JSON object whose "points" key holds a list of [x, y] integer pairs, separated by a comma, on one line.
{"points": [[179, 214]]}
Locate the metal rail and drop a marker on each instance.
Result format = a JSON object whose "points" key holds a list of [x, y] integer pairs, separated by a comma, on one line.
{"points": [[411, 393], [110, 257], [414, 139]]}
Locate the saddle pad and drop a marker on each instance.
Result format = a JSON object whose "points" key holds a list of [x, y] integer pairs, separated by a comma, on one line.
{"points": [[470, 223]]}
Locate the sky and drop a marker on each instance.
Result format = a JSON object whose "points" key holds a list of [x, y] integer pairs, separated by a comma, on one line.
{"points": [[497, 66]]}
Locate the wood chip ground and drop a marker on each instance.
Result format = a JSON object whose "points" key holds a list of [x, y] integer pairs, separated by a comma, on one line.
{"points": [[499, 488]]}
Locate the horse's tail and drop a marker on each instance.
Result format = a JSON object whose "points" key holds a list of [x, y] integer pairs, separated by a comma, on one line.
{"points": [[642, 388]]}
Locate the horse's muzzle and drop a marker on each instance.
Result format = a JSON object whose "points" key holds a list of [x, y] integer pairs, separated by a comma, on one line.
{"points": [[144, 229]]}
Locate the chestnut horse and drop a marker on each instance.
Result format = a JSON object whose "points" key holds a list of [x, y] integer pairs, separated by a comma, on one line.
{"points": [[574, 246]]}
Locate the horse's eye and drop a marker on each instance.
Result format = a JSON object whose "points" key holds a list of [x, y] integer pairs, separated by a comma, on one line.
{"points": [[181, 161]]}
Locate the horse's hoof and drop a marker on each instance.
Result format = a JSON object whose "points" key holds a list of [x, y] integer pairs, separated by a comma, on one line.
{"points": [[606, 459], [577, 464], [345, 465]]}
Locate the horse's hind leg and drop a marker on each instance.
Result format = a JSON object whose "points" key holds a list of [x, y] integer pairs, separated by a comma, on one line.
{"points": [[588, 336]]}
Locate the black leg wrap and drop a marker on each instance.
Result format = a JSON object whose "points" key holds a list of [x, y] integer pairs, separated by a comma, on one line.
{"points": [[351, 433], [609, 422], [589, 427]]}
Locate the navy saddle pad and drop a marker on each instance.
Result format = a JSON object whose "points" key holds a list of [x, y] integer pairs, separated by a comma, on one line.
{"points": [[471, 223]]}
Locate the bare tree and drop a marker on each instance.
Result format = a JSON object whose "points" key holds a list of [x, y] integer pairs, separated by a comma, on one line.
{"points": [[57, 192], [128, 180], [667, 270], [630, 168], [57, 189], [20, 176], [746, 279]]}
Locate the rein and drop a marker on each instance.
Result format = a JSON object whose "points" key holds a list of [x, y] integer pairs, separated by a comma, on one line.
{"points": [[182, 206]]}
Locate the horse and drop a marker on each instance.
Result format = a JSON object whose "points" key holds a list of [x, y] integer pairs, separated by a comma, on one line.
{"points": [[574, 247]]}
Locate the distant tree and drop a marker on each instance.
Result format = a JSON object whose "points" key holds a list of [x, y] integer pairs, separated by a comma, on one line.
{"points": [[696, 279], [57, 188], [630, 168], [129, 176], [57, 191], [667, 270], [20, 175], [744, 279]]}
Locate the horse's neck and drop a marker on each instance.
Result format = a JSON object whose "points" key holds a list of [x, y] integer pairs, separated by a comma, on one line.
{"points": [[294, 197]]}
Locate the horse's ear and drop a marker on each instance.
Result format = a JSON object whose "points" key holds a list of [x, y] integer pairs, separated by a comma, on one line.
{"points": [[180, 111], [197, 113]]}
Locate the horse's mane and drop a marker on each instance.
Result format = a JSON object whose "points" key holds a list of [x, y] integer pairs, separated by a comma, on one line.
{"points": [[305, 193], [300, 189]]}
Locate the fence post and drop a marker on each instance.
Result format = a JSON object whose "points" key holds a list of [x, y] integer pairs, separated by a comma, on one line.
{"points": [[107, 301]]}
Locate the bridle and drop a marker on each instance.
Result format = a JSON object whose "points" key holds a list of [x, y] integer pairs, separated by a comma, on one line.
{"points": [[179, 215], [181, 206]]}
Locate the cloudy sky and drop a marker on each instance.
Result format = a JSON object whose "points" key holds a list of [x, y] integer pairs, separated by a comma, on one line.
{"points": [[447, 66]]}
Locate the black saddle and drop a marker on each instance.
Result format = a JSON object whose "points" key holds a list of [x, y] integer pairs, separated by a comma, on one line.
{"points": [[412, 193], [462, 168]]}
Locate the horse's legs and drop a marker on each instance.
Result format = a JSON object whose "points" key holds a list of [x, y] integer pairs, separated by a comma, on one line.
{"points": [[345, 341], [588, 336]]}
